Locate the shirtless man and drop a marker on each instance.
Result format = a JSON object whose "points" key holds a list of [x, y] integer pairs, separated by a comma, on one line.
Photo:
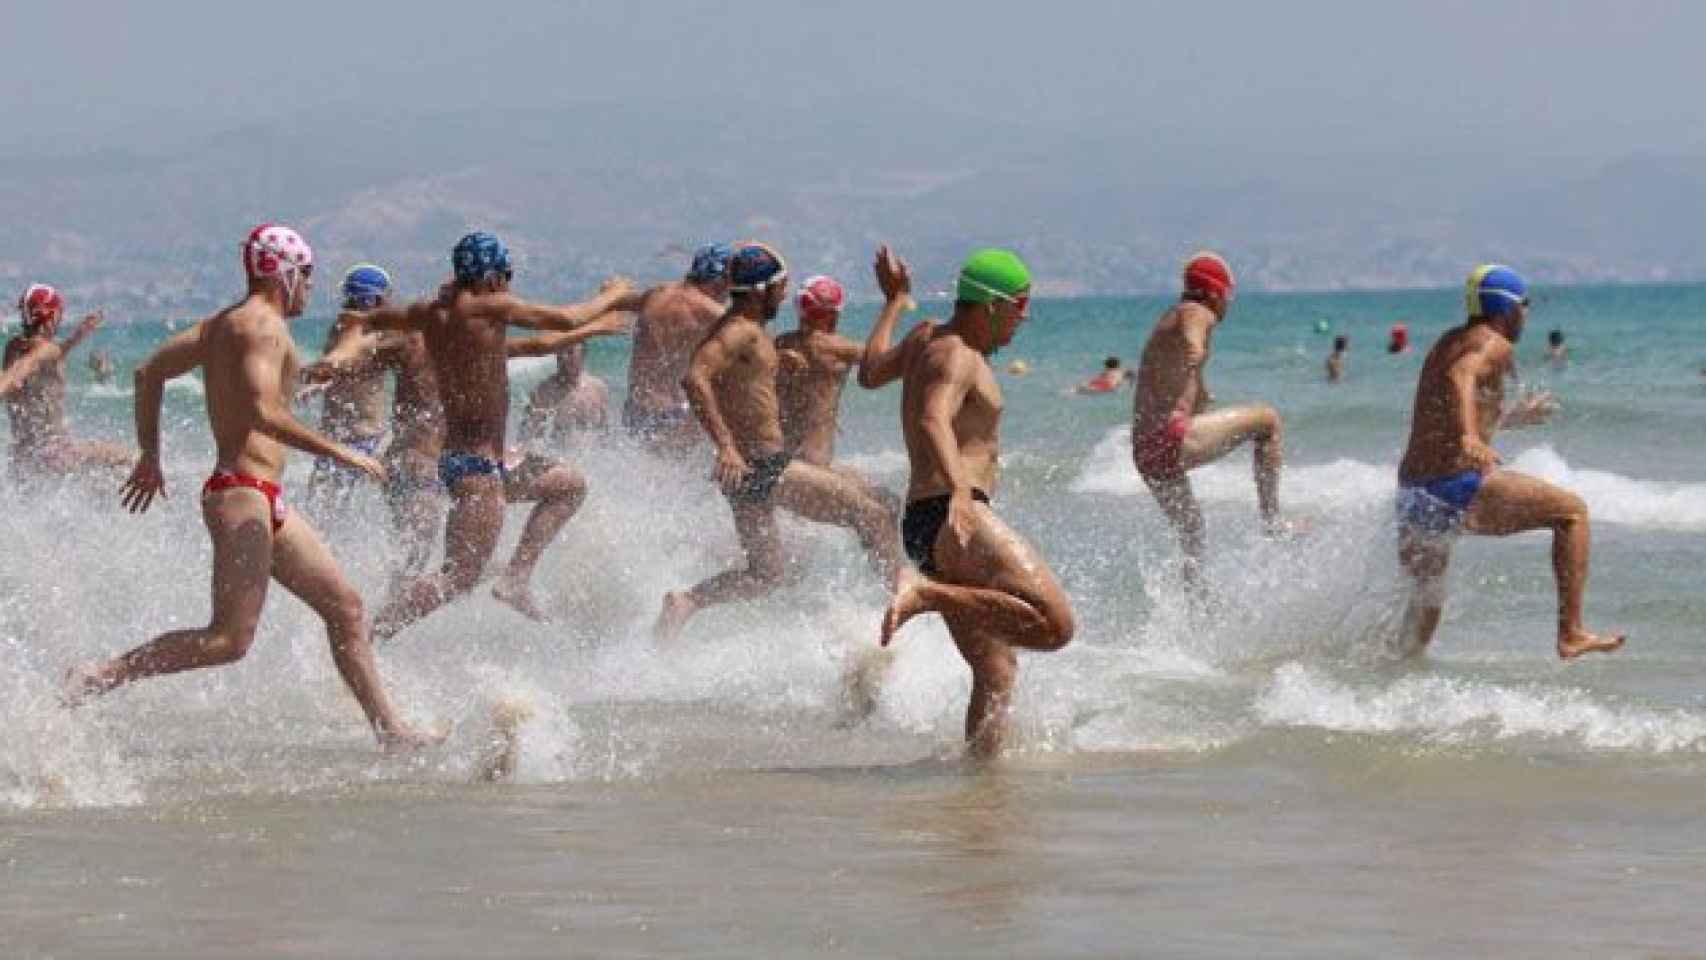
{"points": [[353, 401], [412, 490], [567, 402], [33, 388], [732, 386], [812, 367], [673, 318], [248, 361], [993, 589], [464, 335], [1336, 359], [1171, 431], [1450, 479], [1110, 379]]}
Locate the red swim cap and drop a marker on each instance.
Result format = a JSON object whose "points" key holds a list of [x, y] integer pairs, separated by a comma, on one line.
{"points": [[1400, 335], [39, 304], [821, 298], [276, 251], [1209, 272]]}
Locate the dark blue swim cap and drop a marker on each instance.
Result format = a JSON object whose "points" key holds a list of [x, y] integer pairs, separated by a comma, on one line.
{"points": [[478, 256], [710, 262], [754, 267]]}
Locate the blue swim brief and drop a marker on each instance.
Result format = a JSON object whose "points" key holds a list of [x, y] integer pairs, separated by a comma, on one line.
{"points": [[453, 467], [1436, 507]]}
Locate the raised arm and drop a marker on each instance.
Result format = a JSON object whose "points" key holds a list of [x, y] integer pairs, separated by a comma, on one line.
{"points": [[540, 316], [546, 344], [84, 329], [25, 367], [880, 363], [399, 317], [353, 346]]}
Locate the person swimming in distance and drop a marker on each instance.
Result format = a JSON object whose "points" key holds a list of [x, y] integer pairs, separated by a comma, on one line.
{"points": [[1336, 359], [1556, 353], [1451, 481], [1398, 339], [1110, 379]]}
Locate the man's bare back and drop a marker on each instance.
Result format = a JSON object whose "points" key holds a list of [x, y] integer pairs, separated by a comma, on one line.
{"points": [[813, 369]]}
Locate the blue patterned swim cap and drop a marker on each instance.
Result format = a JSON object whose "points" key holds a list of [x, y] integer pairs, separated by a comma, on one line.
{"points": [[479, 255], [365, 285], [710, 262], [754, 267]]}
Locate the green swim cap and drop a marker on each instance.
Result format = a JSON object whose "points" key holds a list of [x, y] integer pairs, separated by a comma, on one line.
{"points": [[990, 275]]}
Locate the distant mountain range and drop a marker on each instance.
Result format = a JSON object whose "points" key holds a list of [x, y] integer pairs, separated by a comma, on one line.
{"points": [[585, 192]]}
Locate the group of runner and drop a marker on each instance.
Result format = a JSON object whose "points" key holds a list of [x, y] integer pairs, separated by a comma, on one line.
{"points": [[705, 367]]}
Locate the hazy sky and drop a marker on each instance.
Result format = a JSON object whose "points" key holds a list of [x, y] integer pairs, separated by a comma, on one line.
{"points": [[1580, 81]]}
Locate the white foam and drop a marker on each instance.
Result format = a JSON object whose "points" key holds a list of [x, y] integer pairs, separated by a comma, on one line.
{"points": [[1455, 711], [1330, 487]]}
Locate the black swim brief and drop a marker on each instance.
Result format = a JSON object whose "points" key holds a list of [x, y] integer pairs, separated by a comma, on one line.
{"points": [[762, 475], [922, 522]]}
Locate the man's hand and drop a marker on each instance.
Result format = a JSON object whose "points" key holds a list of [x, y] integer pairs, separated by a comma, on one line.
{"points": [[89, 324], [1535, 408], [1478, 456], [962, 517], [731, 469], [616, 286], [145, 481], [894, 277], [366, 464]]}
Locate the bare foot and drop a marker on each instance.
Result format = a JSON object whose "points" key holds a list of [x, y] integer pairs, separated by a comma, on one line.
{"points": [[1573, 645], [908, 602], [81, 683], [677, 608], [516, 594], [508, 716], [408, 739]]}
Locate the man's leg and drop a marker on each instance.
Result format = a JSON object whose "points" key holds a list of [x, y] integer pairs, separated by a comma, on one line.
{"points": [[821, 494], [755, 524], [994, 673], [302, 564], [470, 535], [240, 525], [558, 491], [1511, 502], [1213, 435], [1424, 559], [1179, 505], [996, 585], [415, 514]]}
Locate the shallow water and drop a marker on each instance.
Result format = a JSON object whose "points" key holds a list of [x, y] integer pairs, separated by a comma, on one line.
{"points": [[1262, 780]]}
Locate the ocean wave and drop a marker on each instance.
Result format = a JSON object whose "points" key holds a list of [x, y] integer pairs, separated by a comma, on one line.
{"points": [[1330, 487], [1452, 711]]}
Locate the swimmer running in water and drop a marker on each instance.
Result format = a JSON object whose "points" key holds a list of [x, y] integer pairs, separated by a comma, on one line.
{"points": [[32, 386], [353, 398], [812, 367], [994, 591], [1450, 479], [732, 386], [248, 360], [568, 402], [1172, 430], [464, 331], [672, 319]]}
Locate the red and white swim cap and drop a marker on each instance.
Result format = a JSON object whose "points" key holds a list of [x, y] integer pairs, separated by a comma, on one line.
{"points": [[276, 251], [39, 304], [1209, 272], [821, 296]]}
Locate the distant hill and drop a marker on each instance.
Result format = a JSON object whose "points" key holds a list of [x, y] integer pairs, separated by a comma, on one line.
{"points": [[584, 192]]}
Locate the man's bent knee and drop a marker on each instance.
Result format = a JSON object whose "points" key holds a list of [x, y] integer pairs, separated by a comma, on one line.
{"points": [[228, 646]]}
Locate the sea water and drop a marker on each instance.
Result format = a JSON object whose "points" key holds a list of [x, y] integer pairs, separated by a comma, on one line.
{"points": [[1262, 779]]}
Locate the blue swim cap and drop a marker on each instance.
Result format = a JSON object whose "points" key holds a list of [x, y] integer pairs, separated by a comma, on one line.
{"points": [[479, 255], [754, 267], [1494, 290], [364, 285], [710, 262]]}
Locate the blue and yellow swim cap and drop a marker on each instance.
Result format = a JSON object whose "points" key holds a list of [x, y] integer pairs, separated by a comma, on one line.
{"points": [[364, 286], [478, 256], [1494, 290]]}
